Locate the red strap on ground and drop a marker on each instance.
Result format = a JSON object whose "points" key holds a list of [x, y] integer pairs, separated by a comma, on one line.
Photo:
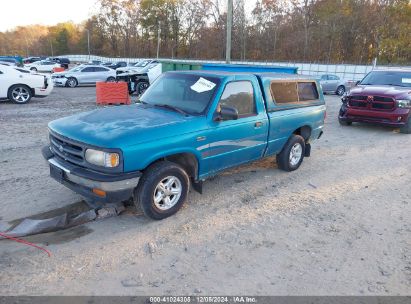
{"points": [[25, 243]]}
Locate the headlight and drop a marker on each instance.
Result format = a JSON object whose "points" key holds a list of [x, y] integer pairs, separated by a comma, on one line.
{"points": [[102, 159], [404, 103]]}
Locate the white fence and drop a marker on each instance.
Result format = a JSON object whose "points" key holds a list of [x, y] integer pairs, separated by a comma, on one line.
{"points": [[345, 71]]}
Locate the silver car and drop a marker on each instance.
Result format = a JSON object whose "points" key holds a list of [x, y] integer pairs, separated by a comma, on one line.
{"points": [[335, 85], [84, 74]]}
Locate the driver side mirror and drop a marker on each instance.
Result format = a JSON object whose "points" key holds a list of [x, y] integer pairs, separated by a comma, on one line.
{"points": [[226, 113]]}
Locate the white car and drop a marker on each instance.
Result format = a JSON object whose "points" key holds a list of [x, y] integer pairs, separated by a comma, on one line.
{"points": [[20, 85], [42, 66], [140, 67], [84, 74]]}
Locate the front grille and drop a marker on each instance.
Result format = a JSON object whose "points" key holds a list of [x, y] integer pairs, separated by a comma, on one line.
{"points": [[68, 150], [376, 103]]}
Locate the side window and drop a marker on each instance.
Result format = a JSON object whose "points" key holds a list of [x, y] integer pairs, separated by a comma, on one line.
{"points": [[324, 77], [333, 77], [307, 91], [87, 70], [240, 95], [284, 92], [294, 92], [98, 69]]}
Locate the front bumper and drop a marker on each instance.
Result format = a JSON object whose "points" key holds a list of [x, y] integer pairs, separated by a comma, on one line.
{"points": [[60, 81], [115, 187], [395, 118]]}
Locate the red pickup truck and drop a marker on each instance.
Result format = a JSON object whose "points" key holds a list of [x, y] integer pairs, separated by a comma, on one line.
{"points": [[382, 97]]}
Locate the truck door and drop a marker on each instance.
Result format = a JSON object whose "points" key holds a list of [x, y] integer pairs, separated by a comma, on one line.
{"points": [[239, 141]]}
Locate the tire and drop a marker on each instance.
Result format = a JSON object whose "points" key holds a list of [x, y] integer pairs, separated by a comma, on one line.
{"points": [[344, 122], [111, 79], [72, 82], [157, 179], [20, 93], [33, 69], [340, 90], [407, 128], [292, 155], [142, 87]]}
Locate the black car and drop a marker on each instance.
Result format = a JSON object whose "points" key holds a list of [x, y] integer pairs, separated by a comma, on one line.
{"points": [[64, 62], [29, 60]]}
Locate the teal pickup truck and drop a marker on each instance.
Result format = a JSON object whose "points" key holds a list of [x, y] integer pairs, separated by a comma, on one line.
{"points": [[187, 127]]}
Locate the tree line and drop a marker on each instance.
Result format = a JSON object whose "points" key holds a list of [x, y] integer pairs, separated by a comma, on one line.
{"points": [[329, 31]]}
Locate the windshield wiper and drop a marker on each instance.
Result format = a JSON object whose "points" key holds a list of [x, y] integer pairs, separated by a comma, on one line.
{"points": [[175, 109]]}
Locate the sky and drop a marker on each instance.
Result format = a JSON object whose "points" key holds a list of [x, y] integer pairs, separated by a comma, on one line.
{"points": [[49, 12], [46, 12]]}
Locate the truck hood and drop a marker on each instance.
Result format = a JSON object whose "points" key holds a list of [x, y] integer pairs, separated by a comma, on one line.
{"points": [[123, 126], [389, 91]]}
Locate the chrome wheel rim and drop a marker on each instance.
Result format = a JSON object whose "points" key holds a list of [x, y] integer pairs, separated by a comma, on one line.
{"points": [[167, 193], [295, 154], [20, 94], [341, 91], [71, 83], [143, 87]]}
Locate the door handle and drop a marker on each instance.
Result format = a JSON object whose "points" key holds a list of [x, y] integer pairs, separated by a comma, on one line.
{"points": [[258, 124]]}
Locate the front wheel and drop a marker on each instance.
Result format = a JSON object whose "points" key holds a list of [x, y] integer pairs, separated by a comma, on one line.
{"points": [[344, 122], [111, 79], [292, 155], [33, 69], [407, 128], [162, 190], [72, 82], [20, 94], [142, 87]]}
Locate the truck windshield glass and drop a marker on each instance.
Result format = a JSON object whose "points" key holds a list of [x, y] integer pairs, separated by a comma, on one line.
{"points": [[391, 78], [189, 93]]}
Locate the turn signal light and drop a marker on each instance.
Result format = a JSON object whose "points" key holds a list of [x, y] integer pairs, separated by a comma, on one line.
{"points": [[99, 192]]}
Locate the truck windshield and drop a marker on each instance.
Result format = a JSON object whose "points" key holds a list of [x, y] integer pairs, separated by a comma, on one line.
{"points": [[189, 93], [391, 78]]}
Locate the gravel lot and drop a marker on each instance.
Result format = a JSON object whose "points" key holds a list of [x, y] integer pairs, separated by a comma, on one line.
{"points": [[341, 225]]}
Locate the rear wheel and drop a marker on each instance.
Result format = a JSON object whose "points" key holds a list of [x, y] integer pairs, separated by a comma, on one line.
{"points": [[33, 69], [20, 94], [111, 79], [71, 82], [162, 190], [292, 155], [407, 128], [340, 91]]}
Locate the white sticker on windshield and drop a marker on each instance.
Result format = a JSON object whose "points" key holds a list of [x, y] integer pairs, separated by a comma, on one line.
{"points": [[406, 80], [203, 85]]}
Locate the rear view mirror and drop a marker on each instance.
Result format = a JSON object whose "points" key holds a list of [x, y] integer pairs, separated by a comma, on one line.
{"points": [[227, 113]]}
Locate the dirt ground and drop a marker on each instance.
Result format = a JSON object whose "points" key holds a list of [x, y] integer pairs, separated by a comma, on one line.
{"points": [[341, 225]]}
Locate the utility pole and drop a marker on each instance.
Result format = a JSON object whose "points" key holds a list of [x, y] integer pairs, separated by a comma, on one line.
{"points": [[229, 29], [88, 43], [158, 40], [51, 47]]}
